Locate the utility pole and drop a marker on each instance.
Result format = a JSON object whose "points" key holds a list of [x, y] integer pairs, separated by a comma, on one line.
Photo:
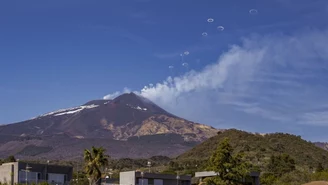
{"points": [[45, 178], [110, 173], [178, 177], [142, 180], [77, 172], [149, 165], [27, 169]]}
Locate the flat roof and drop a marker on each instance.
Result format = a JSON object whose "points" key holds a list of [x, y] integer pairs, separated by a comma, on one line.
{"points": [[212, 173], [161, 176], [206, 174]]}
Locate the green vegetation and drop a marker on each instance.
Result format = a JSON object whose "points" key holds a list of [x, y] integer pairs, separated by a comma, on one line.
{"points": [[32, 150], [277, 167], [10, 158], [95, 160], [259, 148], [233, 161], [231, 169], [41, 183], [281, 158], [129, 164]]}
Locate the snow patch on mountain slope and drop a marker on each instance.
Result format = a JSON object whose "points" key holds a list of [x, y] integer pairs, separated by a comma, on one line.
{"points": [[72, 110], [138, 107], [69, 112]]}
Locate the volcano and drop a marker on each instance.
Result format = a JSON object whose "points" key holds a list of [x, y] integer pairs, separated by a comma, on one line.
{"points": [[127, 126]]}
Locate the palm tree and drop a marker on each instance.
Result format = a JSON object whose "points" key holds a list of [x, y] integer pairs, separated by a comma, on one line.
{"points": [[95, 160]]}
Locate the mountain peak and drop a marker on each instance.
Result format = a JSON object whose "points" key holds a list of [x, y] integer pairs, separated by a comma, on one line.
{"points": [[130, 95], [139, 102], [96, 102], [119, 122], [133, 99]]}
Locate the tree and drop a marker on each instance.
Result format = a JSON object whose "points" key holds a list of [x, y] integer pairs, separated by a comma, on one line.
{"points": [[294, 178], [281, 164], [231, 169], [319, 168], [10, 158], [268, 179], [95, 160]]}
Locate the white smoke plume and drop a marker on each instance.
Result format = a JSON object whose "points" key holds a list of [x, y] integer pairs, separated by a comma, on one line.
{"points": [[267, 79], [115, 94]]}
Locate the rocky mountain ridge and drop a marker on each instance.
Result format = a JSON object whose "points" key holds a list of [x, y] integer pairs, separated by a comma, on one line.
{"points": [[97, 121]]}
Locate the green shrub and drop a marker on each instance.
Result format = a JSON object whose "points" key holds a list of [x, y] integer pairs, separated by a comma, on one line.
{"points": [[320, 176]]}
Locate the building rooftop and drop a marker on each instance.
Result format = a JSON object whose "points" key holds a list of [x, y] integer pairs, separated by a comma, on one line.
{"points": [[212, 173], [160, 176]]}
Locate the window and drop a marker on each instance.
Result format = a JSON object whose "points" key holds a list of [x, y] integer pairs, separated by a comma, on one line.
{"points": [[29, 176]]}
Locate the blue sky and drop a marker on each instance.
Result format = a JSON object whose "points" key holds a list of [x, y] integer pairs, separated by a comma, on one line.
{"points": [[264, 72]]}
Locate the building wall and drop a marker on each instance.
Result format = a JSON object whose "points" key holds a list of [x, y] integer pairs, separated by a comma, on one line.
{"points": [[56, 174], [58, 178], [162, 182], [32, 177], [175, 182], [143, 181], [164, 176], [6, 173], [12, 173], [150, 181], [158, 182], [135, 178], [128, 178], [170, 182], [15, 172]]}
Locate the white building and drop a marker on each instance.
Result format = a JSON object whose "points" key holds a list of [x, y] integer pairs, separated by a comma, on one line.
{"points": [[253, 177], [144, 178]]}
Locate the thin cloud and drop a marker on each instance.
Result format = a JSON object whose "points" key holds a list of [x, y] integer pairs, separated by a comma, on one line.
{"points": [[135, 38], [273, 115], [315, 118]]}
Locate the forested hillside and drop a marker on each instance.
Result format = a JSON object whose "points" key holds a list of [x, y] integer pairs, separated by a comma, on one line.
{"points": [[258, 148]]}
